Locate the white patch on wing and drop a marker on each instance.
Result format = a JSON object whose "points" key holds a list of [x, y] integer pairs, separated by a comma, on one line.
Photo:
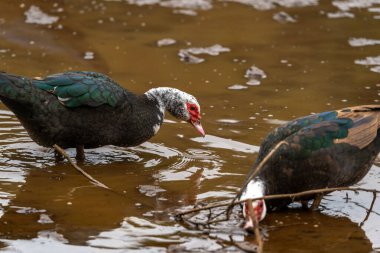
{"points": [[63, 99]]}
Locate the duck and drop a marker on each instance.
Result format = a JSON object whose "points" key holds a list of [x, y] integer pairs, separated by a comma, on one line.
{"points": [[84, 109], [324, 150]]}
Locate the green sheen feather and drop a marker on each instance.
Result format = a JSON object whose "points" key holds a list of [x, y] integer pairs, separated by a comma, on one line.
{"points": [[82, 89], [317, 136]]}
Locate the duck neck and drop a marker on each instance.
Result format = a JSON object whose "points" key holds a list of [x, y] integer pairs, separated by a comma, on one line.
{"points": [[162, 95]]}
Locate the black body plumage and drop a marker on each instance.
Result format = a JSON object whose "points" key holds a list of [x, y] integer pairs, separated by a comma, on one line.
{"points": [[80, 108], [330, 149]]}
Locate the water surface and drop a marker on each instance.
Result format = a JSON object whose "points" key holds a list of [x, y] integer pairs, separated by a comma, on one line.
{"points": [[308, 56]]}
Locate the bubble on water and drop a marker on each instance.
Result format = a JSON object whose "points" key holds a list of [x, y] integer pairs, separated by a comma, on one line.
{"points": [[283, 17], [34, 15], [359, 42], [254, 75], [166, 42]]}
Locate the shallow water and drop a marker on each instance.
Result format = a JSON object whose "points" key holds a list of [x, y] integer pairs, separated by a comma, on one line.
{"points": [[316, 56]]}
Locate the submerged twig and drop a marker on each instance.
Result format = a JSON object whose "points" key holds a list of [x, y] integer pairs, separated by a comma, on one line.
{"points": [[227, 203], [369, 211], [84, 173]]}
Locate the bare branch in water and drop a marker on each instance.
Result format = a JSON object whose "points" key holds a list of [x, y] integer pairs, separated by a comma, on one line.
{"points": [[369, 211], [227, 203], [213, 219], [84, 173]]}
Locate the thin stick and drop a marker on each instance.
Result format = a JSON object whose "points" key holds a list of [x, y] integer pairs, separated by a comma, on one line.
{"points": [[280, 196], [259, 239], [84, 173], [369, 210], [254, 173]]}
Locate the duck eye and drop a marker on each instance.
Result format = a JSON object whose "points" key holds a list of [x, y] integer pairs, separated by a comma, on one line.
{"points": [[192, 108]]}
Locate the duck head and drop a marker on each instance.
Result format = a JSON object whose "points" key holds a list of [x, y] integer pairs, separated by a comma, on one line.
{"points": [[255, 189], [180, 104]]}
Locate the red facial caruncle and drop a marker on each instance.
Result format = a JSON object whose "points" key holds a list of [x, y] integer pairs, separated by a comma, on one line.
{"points": [[195, 117], [260, 212]]}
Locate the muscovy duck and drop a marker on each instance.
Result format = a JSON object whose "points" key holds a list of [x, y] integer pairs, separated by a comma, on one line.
{"points": [[87, 109], [325, 150]]}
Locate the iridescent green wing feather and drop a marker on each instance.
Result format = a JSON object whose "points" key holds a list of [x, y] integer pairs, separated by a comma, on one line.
{"points": [[356, 126], [317, 136], [286, 130], [75, 89]]}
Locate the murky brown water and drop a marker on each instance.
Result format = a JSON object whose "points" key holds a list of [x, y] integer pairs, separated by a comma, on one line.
{"points": [[312, 60]]}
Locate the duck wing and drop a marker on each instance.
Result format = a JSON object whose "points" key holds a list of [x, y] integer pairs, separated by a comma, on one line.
{"points": [[353, 125], [82, 88]]}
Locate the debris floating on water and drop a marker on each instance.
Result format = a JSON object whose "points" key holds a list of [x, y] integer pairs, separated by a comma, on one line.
{"points": [[34, 15], [350, 4], [166, 42], [228, 121], [188, 54], [150, 190], [187, 57], [185, 7], [89, 55], [237, 87], [263, 5], [375, 69], [369, 61], [359, 42], [340, 14], [45, 219], [255, 75], [186, 12], [283, 17]]}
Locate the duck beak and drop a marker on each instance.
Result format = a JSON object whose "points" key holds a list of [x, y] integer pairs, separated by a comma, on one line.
{"points": [[248, 225], [198, 126]]}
